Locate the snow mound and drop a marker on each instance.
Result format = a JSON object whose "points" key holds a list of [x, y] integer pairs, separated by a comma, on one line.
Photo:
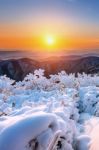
{"points": [[18, 134]]}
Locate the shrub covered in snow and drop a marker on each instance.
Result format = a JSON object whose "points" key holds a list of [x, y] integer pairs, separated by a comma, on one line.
{"points": [[45, 114]]}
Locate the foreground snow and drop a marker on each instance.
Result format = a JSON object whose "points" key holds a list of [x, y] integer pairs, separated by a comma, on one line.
{"points": [[39, 121], [47, 114]]}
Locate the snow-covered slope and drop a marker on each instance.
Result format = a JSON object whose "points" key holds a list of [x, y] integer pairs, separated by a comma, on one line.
{"points": [[47, 114]]}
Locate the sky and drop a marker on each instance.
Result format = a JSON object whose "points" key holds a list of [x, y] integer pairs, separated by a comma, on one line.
{"points": [[72, 24]]}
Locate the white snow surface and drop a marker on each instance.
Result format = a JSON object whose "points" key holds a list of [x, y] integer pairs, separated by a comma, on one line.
{"points": [[59, 113]]}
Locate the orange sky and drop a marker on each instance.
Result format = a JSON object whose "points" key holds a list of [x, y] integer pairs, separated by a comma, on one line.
{"points": [[28, 37], [35, 43]]}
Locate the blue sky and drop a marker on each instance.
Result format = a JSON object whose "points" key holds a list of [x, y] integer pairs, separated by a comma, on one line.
{"points": [[85, 9]]}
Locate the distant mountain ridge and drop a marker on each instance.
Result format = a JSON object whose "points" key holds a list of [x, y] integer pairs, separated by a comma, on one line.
{"points": [[17, 69]]}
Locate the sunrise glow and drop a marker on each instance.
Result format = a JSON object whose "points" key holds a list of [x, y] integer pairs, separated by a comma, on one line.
{"points": [[49, 25], [50, 40]]}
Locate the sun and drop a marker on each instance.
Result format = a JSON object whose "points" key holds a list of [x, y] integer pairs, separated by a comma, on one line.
{"points": [[50, 40]]}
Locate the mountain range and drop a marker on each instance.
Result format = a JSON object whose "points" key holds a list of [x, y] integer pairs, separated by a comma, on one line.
{"points": [[17, 69]]}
